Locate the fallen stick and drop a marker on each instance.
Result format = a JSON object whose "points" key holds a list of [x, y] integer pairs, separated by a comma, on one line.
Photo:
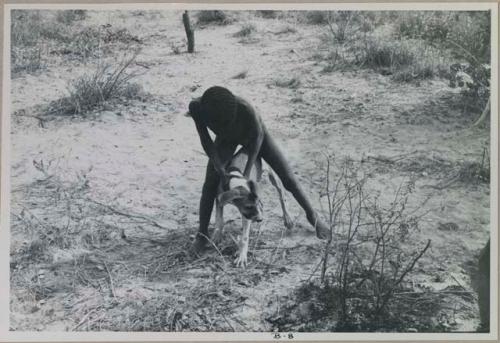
{"points": [[121, 213]]}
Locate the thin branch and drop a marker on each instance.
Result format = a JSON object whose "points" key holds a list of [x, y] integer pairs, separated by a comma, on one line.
{"points": [[111, 284], [121, 213]]}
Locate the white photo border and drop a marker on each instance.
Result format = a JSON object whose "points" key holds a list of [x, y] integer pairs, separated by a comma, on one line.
{"points": [[17, 336]]}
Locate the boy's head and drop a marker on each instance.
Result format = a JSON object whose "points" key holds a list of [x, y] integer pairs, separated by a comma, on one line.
{"points": [[217, 104]]}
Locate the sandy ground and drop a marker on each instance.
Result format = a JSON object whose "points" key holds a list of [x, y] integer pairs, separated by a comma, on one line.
{"points": [[145, 158]]}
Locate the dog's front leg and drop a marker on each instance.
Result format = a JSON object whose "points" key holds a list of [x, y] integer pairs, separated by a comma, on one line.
{"points": [[219, 222], [241, 260]]}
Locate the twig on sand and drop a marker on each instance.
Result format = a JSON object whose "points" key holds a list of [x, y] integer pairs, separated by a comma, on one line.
{"points": [[392, 159], [84, 318], [138, 216], [271, 258], [41, 120], [228, 323], [111, 284], [442, 185], [240, 322]]}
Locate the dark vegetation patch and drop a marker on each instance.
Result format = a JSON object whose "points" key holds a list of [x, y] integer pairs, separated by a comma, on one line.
{"points": [[38, 35], [215, 17]]}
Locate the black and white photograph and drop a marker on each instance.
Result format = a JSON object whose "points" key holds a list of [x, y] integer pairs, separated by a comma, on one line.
{"points": [[279, 170]]}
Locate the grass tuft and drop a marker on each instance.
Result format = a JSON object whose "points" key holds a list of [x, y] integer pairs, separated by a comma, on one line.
{"points": [[92, 90], [292, 83], [245, 31]]}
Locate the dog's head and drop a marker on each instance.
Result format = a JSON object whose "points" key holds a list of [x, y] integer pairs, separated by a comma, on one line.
{"points": [[245, 197]]}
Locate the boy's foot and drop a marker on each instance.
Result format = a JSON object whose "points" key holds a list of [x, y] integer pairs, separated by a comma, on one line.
{"points": [[199, 245], [322, 230]]}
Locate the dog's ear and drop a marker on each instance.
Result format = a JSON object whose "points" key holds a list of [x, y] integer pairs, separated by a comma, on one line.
{"points": [[229, 196]]}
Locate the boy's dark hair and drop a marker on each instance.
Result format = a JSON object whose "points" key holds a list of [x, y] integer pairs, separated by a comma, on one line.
{"points": [[218, 101]]}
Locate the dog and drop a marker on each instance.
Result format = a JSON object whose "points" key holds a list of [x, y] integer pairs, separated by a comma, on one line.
{"points": [[243, 193]]}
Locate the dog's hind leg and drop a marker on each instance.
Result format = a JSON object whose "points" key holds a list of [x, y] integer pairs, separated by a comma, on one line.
{"points": [[241, 260], [286, 217]]}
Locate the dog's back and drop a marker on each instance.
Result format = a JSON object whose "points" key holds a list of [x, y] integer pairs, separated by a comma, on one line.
{"points": [[239, 161]]}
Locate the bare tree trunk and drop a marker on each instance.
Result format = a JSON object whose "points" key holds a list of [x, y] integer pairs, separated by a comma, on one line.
{"points": [[189, 31]]}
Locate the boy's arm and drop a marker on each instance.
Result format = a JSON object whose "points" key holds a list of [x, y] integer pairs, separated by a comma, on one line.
{"points": [[209, 147], [206, 141]]}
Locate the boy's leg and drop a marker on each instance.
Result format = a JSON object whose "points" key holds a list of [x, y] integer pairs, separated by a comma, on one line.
{"points": [[271, 153], [209, 191]]}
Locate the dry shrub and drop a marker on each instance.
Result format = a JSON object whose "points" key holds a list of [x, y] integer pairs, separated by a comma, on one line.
{"points": [[216, 17], [464, 35], [268, 14], [316, 17], [92, 90], [67, 17], [246, 30], [93, 41], [38, 35], [28, 59], [29, 30], [406, 60], [372, 250], [293, 82]]}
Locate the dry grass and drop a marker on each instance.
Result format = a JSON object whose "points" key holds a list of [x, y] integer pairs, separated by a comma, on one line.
{"points": [[69, 16], [92, 90], [116, 269], [38, 36]]}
